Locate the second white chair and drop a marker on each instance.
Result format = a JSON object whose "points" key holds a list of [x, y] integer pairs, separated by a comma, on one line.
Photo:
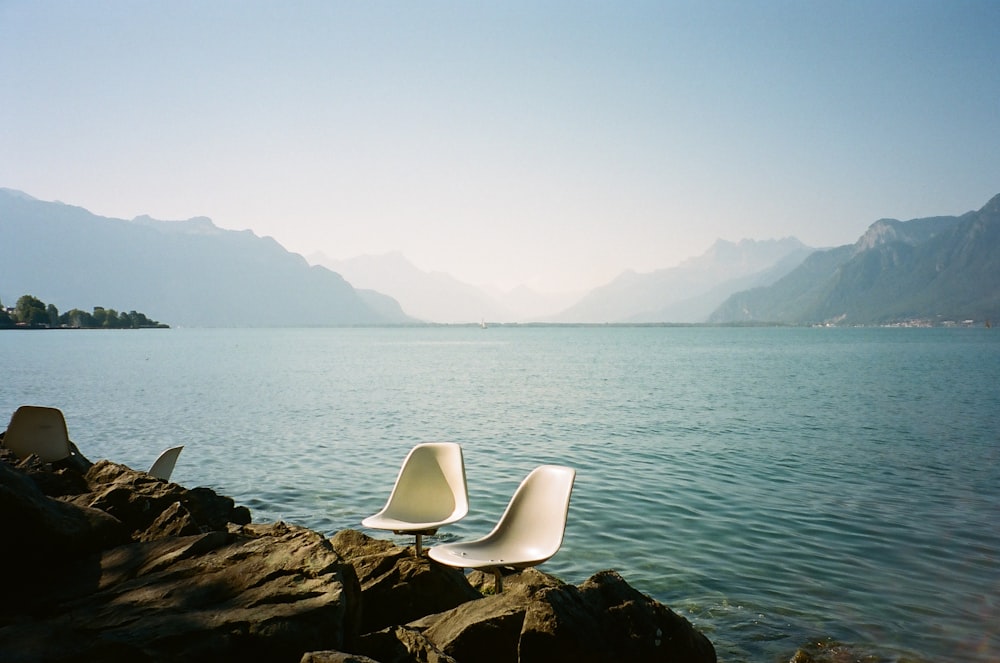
{"points": [[430, 492], [163, 466], [529, 532]]}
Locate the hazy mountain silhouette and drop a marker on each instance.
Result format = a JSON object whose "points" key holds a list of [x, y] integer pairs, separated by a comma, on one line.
{"points": [[690, 291], [936, 269], [192, 273], [439, 297], [183, 273]]}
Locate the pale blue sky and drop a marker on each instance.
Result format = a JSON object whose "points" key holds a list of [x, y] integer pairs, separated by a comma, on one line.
{"points": [[548, 143]]}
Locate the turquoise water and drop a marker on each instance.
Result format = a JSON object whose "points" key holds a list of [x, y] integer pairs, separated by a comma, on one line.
{"points": [[775, 486]]}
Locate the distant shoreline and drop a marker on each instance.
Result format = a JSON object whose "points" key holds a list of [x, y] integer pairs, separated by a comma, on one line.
{"points": [[50, 328], [985, 324]]}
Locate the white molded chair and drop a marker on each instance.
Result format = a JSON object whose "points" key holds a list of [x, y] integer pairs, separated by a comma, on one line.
{"points": [[38, 430], [163, 466], [430, 492], [529, 532]]}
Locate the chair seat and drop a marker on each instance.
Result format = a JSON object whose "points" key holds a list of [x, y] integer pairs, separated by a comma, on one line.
{"points": [[529, 532], [430, 492], [379, 521], [484, 555]]}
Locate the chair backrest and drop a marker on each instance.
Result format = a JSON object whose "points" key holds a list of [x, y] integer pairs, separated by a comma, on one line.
{"points": [[431, 486], [38, 430], [163, 466], [532, 526]]}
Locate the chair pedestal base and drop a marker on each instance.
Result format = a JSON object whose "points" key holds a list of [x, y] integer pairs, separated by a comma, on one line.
{"points": [[420, 538]]}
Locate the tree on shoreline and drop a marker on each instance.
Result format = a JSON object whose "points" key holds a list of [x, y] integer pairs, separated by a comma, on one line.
{"points": [[33, 312], [30, 311]]}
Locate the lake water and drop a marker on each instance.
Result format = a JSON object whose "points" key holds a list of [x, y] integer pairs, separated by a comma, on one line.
{"points": [[775, 486]]}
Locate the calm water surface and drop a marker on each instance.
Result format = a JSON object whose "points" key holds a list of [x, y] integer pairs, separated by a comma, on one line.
{"points": [[775, 486]]}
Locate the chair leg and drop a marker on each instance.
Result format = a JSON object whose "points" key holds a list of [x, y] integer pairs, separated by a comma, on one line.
{"points": [[497, 580], [420, 538]]}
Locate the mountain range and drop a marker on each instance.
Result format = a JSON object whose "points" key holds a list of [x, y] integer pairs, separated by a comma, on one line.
{"points": [[192, 273], [688, 292], [935, 269], [184, 273], [691, 291], [439, 297]]}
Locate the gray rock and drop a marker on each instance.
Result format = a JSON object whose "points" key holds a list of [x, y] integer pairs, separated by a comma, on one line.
{"points": [[537, 618], [484, 630], [335, 657], [40, 531], [530, 580], [401, 644], [139, 500], [605, 619], [269, 592], [53, 479], [397, 587]]}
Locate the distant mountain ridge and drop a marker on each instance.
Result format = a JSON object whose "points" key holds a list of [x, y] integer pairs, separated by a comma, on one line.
{"points": [[686, 293], [193, 273], [184, 273], [690, 291], [935, 269], [428, 296], [438, 297]]}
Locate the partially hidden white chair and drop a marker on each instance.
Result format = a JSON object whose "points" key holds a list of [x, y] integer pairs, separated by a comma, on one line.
{"points": [[163, 466], [38, 430], [430, 492], [529, 532]]}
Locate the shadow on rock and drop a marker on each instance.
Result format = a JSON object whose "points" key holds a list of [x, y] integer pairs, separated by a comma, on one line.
{"points": [[105, 563]]}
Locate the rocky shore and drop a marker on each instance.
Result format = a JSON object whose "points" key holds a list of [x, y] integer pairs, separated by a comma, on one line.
{"points": [[105, 563]]}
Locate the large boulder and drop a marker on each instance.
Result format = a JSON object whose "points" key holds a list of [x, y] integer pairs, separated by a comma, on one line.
{"points": [[396, 586], [335, 657], [537, 618], [401, 644], [605, 619], [40, 532], [268, 592], [170, 576], [53, 479], [139, 501], [487, 629]]}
